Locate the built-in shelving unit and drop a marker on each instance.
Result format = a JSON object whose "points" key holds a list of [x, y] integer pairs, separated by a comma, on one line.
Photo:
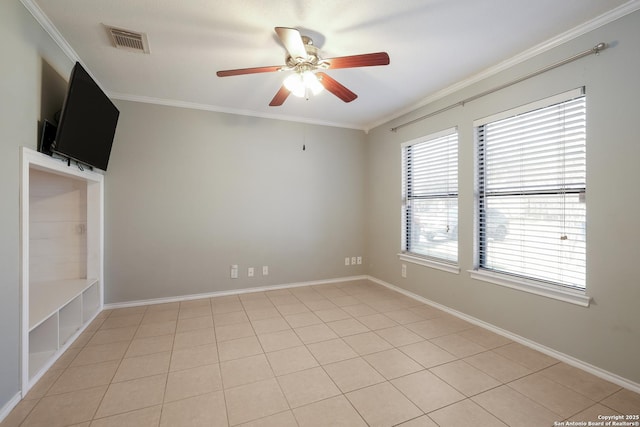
{"points": [[62, 252]]}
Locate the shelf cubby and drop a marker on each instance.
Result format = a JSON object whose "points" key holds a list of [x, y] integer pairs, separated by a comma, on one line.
{"points": [[43, 343], [69, 320]]}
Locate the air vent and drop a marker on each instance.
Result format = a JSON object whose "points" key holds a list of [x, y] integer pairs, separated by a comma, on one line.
{"points": [[129, 40]]}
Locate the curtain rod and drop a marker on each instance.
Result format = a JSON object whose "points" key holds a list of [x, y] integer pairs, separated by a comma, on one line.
{"points": [[593, 51]]}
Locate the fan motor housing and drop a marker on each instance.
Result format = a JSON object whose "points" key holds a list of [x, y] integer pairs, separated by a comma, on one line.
{"points": [[311, 62]]}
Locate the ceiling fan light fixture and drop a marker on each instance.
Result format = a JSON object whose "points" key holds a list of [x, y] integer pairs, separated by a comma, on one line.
{"points": [[304, 60]]}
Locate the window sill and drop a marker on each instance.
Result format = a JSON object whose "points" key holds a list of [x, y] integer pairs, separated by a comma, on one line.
{"points": [[538, 288], [415, 259]]}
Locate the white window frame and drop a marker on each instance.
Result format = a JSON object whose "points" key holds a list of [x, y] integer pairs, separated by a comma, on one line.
{"points": [[538, 287], [443, 264]]}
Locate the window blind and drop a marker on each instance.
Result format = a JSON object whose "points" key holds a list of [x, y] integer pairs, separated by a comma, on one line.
{"points": [[532, 182], [430, 172]]}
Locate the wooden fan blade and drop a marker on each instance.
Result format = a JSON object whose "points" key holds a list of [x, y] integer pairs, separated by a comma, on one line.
{"points": [[364, 60], [292, 41], [336, 88], [280, 97], [240, 71]]}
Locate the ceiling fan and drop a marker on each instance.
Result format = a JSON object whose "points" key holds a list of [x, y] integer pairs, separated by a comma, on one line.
{"points": [[304, 60]]}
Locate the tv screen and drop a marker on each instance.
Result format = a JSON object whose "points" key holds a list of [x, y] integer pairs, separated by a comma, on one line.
{"points": [[87, 123]]}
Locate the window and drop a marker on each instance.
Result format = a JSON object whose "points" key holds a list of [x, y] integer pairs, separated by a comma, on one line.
{"points": [[430, 196], [531, 198]]}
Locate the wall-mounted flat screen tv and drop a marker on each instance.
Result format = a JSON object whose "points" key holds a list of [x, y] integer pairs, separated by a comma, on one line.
{"points": [[87, 123]]}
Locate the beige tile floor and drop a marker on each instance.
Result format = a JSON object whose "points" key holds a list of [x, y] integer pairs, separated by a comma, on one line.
{"points": [[347, 354]]}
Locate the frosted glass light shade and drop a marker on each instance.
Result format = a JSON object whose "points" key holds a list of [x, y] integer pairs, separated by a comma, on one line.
{"points": [[298, 83], [295, 84]]}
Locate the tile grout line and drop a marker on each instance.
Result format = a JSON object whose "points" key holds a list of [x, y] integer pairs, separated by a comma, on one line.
{"points": [[381, 300], [224, 395]]}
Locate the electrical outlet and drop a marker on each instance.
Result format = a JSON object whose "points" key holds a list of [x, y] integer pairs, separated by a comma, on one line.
{"points": [[265, 270], [346, 261], [404, 270], [353, 260], [250, 272], [234, 271], [359, 260]]}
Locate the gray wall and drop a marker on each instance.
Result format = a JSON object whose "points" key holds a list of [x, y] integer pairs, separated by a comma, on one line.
{"points": [[188, 193], [607, 334], [29, 59]]}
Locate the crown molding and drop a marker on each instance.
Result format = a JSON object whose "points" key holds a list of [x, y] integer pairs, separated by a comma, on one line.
{"points": [[606, 18], [48, 26], [610, 16], [66, 48], [209, 107]]}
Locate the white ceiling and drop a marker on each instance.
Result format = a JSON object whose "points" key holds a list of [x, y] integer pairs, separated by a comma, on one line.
{"points": [[433, 45]]}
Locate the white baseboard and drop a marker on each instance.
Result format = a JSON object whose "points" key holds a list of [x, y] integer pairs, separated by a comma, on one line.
{"points": [[231, 292], [8, 407], [569, 360]]}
